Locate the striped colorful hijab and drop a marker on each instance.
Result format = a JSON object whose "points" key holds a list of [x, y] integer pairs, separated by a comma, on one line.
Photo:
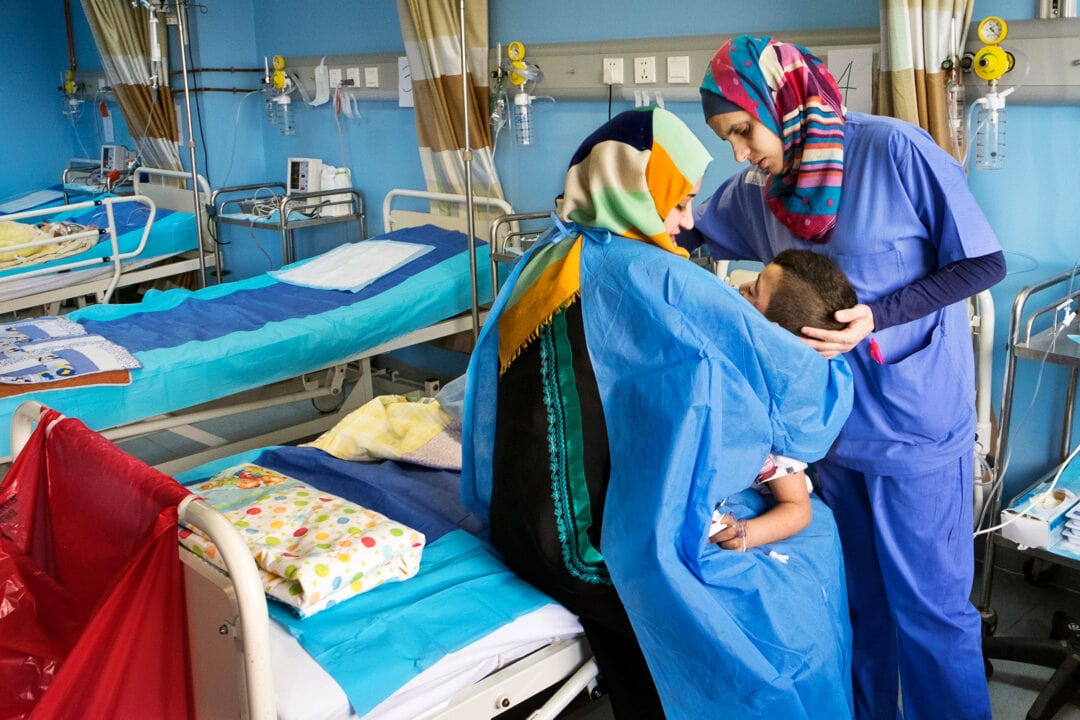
{"points": [[793, 94], [624, 180]]}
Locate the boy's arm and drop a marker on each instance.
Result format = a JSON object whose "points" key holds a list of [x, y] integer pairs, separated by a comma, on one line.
{"points": [[791, 514]]}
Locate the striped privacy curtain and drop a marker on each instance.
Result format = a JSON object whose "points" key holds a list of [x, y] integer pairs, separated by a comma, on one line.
{"points": [[917, 38], [122, 35], [431, 30]]}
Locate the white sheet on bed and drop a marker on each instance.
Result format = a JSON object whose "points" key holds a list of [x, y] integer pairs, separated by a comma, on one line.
{"points": [[304, 691]]}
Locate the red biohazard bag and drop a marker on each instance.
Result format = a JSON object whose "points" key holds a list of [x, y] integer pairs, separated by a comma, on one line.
{"points": [[92, 616]]}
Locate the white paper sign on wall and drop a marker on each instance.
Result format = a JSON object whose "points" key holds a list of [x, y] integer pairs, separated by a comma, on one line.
{"points": [[853, 70], [404, 83]]}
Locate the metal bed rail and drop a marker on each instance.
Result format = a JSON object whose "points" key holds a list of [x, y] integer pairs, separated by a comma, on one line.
{"points": [[115, 258]]}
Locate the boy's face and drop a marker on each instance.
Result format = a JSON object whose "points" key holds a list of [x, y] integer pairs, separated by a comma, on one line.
{"points": [[761, 290]]}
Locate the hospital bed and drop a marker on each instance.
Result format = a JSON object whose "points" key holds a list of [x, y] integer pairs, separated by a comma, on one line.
{"points": [[258, 342], [159, 241], [243, 665]]}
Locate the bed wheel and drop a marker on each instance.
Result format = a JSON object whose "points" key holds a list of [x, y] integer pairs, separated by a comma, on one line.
{"points": [[328, 403]]}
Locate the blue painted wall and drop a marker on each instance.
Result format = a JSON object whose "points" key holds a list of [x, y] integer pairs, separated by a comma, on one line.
{"points": [[1030, 203], [33, 53]]}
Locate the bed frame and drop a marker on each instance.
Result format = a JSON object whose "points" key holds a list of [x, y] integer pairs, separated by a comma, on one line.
{"points": [[228, 632], [165, 189], [328, 388]]}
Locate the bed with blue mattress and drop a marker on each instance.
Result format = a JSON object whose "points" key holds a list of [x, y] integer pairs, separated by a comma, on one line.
{"points": [[146, 236], [199, 346]]}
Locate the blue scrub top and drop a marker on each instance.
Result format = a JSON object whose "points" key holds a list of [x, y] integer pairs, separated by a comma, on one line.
{"points": [[905, 211]]}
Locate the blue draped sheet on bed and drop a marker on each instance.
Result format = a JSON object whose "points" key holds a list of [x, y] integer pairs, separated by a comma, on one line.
{"points": [[171, 233], [197, 346], [394, 632]]}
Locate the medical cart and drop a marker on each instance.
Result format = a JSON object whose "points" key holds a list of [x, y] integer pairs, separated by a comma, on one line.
{"points": [[1048, 333], [269, 206]]}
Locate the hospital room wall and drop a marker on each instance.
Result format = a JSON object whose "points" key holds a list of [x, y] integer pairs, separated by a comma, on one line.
{"points": [[1028, 203], [378, 145], [33, 54]]}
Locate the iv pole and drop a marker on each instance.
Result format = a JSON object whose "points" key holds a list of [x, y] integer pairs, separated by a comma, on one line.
{"points": [[467, 157], [181, 14]]}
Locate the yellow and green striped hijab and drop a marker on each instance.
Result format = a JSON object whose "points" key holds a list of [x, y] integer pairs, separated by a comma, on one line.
{"points": [[624, 179]]}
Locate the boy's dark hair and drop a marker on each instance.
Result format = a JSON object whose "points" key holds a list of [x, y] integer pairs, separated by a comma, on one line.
{"points": [[810, 292]]}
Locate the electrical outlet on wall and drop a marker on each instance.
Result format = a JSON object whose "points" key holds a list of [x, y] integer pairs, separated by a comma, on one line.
{"points": [[645, 70], [613, 71]]}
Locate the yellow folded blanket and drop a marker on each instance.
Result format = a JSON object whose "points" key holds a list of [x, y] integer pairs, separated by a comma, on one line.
{"points": [[393, 427]]}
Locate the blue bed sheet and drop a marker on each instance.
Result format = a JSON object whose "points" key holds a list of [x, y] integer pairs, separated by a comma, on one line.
{"points": [[253, 332]]}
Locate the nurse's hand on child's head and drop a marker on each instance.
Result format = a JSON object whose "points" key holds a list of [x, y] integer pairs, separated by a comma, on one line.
{"points": [[830, 343]]}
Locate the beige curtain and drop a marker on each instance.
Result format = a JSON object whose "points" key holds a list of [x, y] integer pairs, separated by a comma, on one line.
{"points": [[122, 35], [432, 33], [918, 39]]}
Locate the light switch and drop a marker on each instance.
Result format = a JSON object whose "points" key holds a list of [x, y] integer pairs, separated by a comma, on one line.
{"points": [[678, 69], [371, 77]]}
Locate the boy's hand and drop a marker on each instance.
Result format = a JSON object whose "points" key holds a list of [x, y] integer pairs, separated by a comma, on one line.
{"points": [[727, 532]]}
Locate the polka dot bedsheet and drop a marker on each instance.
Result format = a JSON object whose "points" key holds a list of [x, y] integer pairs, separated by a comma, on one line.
{"points": [[313, 549]]}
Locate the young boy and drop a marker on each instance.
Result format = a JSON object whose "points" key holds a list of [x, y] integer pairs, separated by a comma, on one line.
{"points": [[797, 289]]}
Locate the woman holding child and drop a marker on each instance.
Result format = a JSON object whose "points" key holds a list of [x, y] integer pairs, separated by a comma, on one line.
{"points": [[616, 395]]}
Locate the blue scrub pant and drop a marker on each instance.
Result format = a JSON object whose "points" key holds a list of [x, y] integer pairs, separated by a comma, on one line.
{"points": [[909, 559]]}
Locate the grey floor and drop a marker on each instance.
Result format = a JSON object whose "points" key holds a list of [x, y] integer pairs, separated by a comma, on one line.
{"points": [[1023, 609]]}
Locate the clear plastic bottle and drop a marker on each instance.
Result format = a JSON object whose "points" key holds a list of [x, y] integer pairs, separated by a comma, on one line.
{"points": [[286, 123], [990, 139], [271, 110], [957, 126], [522, 119]]}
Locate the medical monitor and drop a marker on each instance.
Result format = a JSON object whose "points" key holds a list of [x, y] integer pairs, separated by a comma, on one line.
{"points": [[305, 175], [113, 157]]}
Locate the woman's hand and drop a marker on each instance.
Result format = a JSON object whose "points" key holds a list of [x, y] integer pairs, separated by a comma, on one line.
{"points": [[830, 343]]}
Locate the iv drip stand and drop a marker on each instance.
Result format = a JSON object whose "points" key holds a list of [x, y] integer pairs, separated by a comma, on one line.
{"points": [[467, 157], [181, 15]]}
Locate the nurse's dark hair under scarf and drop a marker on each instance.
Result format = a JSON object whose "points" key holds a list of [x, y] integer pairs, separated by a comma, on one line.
{"points": [[792, 93]]}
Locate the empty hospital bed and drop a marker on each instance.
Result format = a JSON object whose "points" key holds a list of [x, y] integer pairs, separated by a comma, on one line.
{"points": [[226, 344], [411, 649], [147, 236]]}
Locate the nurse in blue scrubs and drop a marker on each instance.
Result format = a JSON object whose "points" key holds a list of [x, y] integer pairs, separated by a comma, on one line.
{"points": [[894, 211]]}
